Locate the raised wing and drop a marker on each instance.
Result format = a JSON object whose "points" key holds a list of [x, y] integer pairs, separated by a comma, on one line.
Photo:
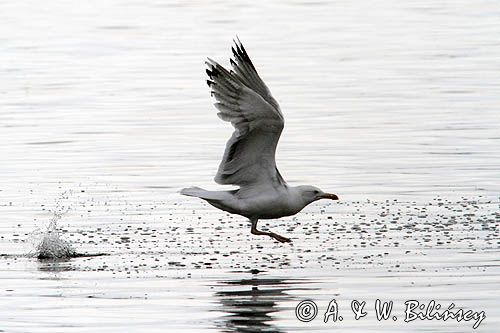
{"points": [[246, 72], [244, 100]]}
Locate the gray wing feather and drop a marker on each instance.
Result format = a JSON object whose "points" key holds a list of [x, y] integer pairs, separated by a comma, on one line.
{"points": [[245, 102], [246, 72]]}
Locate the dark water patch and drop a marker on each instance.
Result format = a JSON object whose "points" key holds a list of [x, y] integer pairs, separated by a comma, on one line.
{"points": [[11, 256], [461, 92], [50, 142], [452, 153], [71, 255]]}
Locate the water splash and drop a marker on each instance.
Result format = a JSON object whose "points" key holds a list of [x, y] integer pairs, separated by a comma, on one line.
{"points": [[48, 243]]}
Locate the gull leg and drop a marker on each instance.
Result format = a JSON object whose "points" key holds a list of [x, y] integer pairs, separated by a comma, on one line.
{"points": [[279, 238]]}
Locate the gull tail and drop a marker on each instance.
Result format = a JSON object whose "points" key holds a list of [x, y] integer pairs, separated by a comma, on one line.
{"points": [[194, 192], [204, 194], [221, 199]]}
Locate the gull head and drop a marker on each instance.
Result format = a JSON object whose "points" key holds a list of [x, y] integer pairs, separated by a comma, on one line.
{"points": [[310, 194]]}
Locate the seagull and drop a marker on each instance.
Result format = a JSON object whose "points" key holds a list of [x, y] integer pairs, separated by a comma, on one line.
{"points": [[243, 99]]}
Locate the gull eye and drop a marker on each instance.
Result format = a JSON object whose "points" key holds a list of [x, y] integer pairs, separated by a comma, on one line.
{"points": [[316, 192]]}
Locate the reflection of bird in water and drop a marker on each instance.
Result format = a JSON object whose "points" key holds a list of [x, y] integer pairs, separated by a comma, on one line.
{"points": [[250, 307], [249, 160]]}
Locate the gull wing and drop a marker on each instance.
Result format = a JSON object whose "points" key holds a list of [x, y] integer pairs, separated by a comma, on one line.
{"points": [[244, 100], [246, 72]]}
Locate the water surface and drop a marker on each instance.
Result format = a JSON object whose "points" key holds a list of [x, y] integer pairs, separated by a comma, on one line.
{"points": [[104, 111]]}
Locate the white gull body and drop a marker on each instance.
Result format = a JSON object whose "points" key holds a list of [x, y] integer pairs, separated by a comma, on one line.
{"points": [[249, 159]]}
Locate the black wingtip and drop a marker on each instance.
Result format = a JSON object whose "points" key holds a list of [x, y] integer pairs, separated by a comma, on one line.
{"points": [[212, 72], [240, 53], [240, 47]]}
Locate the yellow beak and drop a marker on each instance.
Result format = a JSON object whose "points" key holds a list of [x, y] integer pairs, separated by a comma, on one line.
{"points": [[329, 196]]}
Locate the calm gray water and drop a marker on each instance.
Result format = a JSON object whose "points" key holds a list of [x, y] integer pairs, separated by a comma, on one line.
{"points": [[104, 110]]}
